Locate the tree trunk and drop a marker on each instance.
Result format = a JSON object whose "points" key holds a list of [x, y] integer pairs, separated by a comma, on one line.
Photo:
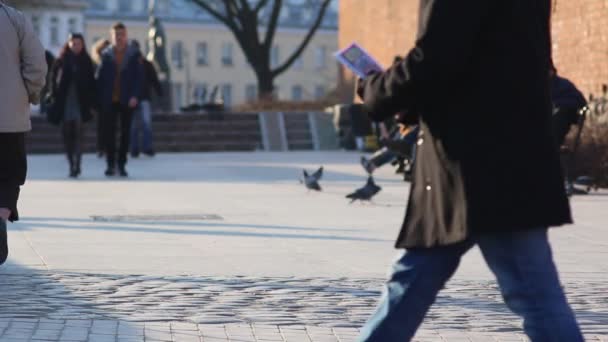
{"points": [[265, 86]]}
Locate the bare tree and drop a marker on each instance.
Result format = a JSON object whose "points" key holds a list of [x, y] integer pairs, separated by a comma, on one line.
{"points": [[254, 25]]}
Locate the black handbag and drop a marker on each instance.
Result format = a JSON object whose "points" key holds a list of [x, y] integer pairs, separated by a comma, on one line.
{"points": [[53, 114]]}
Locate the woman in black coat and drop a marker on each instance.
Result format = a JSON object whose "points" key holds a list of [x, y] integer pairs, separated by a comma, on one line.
{"points": [[73, 82]]}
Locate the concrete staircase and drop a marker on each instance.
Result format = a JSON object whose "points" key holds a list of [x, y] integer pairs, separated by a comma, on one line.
{"points": [[172, 133]]}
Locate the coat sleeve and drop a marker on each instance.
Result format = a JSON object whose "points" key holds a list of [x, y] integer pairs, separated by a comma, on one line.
{"points": [[447, 36], [33, 60]]}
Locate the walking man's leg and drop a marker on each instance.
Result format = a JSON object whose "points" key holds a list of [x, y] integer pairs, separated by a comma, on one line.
{"points": [[416, 279], [109, 123], [13, 171], [146, 117], [529, 282], [126, 119], [136, 123]]}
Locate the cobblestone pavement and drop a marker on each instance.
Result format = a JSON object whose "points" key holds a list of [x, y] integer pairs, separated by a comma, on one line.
{"points": [[21, 330], [58, 306]]}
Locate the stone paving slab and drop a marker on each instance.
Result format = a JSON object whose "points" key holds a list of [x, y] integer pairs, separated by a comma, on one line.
{"points": [[464, 305], [229, 247], [17, 330]]}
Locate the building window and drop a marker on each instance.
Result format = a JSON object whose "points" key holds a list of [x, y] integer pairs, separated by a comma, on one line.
{"points": [[296, 14], [200, 93], [202, 57], [251, 93], [298, 64], [100, 5], [163, 6], [125, 6], [319, 92], [227, 94], [321, 57], [178, 94], [177, 54], [275, 56], [297, 94], [54, 31], [36, 24], [73, 25], [227, 59], [138, 6]]}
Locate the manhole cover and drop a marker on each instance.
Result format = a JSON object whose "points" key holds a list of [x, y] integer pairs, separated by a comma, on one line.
{"points": [[123, 218]]}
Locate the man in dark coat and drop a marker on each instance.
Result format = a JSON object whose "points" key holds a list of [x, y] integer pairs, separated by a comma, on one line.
{"points": [[120, 84], [479, 67]]}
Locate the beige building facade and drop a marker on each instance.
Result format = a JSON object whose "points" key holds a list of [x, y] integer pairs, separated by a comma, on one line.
{"points": [[202, 56]]}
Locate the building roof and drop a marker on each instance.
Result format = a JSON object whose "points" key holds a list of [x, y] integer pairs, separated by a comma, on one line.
{"points": [[295, 14], [56, 4]]}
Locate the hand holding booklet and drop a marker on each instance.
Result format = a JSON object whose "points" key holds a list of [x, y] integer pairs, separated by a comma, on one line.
{"points": [[358, 60]]}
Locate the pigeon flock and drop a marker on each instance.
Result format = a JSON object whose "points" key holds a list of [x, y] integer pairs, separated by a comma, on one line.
{"points": [[363, 194]]}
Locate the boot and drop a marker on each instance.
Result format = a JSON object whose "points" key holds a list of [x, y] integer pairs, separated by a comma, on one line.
{"points": [[77, 164], [72, 162]]}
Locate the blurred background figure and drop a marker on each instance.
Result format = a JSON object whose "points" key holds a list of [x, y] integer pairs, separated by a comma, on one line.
{"points": [[142, 117], [72, 93], [98, 48]]}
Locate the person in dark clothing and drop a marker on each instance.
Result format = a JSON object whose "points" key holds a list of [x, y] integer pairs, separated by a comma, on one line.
{"points": [[50, 60], [98, 49], [73, 91], [142, 119], [120, 86], [567, 103], [478, 67]]}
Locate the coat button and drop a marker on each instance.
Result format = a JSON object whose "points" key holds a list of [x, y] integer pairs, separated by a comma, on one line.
{"points": [[420, 141], [428, 188]]}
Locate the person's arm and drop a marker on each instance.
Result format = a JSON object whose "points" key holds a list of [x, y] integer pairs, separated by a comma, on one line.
{"points": [[33, 60], [443, 51]]}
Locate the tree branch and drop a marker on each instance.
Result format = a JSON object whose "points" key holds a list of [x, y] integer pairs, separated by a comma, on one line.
{"points": [[227, 20], [260, 5], [273, 22], [281, 69]]}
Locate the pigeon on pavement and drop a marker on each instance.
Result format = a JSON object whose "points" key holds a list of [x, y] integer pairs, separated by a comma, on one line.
{"points": [[312, 181], [365, 193]]}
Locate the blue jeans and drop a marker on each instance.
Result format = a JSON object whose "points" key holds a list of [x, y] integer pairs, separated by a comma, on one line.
{"points": [[142, 119], [523, 265]]}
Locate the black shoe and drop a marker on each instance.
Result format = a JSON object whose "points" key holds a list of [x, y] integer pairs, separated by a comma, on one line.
{"points": [[3, 242], [122, 172], [110, 171], [150, 153], [73, 174], [135, 154]]}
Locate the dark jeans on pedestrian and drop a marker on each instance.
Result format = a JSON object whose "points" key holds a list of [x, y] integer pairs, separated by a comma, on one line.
{"points": [[523, 265], [142, 122], [13, 170], [72, 139], [124, 115]]}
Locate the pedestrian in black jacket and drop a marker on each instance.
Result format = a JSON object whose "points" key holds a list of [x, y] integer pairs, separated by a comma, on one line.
{"points": [[73, 93], [478, 68]]}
